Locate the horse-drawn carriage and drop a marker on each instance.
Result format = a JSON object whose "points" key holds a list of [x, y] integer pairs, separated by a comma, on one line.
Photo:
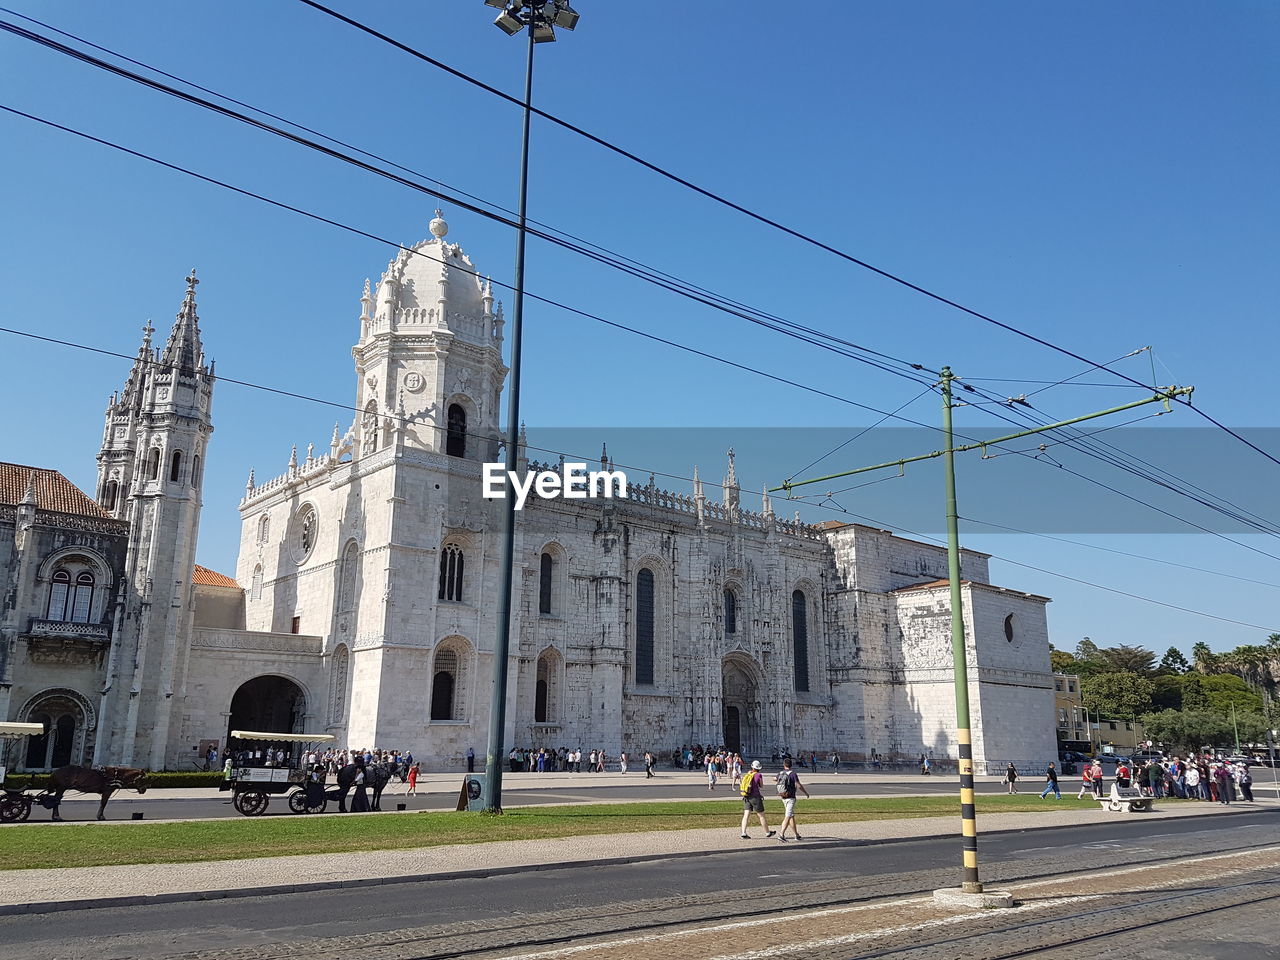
{"points": [[15, 803], [274, 764]]}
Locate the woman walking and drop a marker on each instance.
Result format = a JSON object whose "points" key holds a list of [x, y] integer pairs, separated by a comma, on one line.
{"points": [[711, 772], [413, 780], [1011, 778]]}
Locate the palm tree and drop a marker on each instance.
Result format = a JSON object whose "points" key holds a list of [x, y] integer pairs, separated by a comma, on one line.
{"points": [[1204, 659]]}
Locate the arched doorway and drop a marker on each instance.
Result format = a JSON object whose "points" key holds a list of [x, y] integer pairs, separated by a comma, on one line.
{"points": [[739, 696], [62, 743], [270, 704]]}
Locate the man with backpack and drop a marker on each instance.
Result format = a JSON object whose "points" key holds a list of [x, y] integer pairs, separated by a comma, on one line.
{"points": [[788, 783], [751, 787]]}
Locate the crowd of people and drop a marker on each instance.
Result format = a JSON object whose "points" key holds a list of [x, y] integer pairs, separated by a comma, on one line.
{"points": [[573, 760], [1192, 778]]}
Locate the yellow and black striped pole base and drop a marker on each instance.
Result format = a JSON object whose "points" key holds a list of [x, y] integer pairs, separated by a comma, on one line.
{"points": [[968, 816]]}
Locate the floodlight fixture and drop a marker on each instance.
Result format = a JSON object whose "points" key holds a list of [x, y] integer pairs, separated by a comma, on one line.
{"points": [[499, 4], [566, 16], [543, 32], [509, 23]]}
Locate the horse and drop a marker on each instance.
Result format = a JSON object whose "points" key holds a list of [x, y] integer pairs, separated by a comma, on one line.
{"points": [[104, 782], [376, 777]]}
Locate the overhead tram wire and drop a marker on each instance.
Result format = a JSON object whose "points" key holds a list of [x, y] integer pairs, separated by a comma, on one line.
{"points": [[761, 218], [392, 243], [269, 128], [877, 359]]}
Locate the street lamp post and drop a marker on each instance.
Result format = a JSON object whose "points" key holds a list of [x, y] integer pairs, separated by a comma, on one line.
{"points": [[541, 19]]}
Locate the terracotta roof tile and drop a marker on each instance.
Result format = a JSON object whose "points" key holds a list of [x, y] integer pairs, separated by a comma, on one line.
{"points": [[211, 578], [54, 492]]}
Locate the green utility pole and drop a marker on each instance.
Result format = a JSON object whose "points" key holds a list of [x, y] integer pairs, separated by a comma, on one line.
{"points": [[968, 819]]}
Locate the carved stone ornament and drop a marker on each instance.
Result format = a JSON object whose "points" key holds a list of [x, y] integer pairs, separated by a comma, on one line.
{"points": [[414, 381], [162, 393]]}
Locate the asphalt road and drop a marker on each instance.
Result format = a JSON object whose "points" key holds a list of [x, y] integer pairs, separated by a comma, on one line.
{"points": [[549, 906], [155, 806]]}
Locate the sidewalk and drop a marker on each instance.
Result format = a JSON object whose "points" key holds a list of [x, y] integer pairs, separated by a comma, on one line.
{"points": [[39, 891]]}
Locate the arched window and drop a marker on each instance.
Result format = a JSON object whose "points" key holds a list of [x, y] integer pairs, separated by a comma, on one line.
{"points": [[195, 470], [264, 529], [730, 611], [347, 584], [546, 706], [175, 466], [545, 573], [443, 682], [59, 593], [1009, 625], [369, 427], [800, 639], [338, 679], [110, 493], [255, 590], [71, 591], [451, 562], [455, 444], [81, 598], [153, 464], [644, 627]]}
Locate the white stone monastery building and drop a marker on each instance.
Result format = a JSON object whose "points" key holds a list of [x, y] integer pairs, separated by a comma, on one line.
{"points": [[364, 596]]}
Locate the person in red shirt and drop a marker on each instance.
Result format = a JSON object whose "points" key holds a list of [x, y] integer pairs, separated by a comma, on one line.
{"points": [[1122, 774]]}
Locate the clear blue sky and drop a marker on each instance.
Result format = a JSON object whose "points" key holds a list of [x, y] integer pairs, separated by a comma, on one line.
{"points": [[1102, 175]]}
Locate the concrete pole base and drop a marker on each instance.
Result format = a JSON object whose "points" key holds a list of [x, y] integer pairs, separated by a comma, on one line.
{"points": [[987, 900]]}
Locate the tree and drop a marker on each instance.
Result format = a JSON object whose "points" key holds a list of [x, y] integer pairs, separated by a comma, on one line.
{"points": [[1189, 730], [1117, 694], [1086, 649], [1225, 689], [1173, 661], [1167, 694], [1204, 658], [1130, 659], [1193, 693], [1061, 661]]}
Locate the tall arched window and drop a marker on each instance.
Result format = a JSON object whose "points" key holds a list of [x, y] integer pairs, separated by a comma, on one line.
{"points": [[455, 444], [195, 470], [369, 426], [338, 679], [153, 464], [255, 590], [644, 627], [546, 705], [730, 611], [800, 639], [347, 583], [110, 493], [58, 595], [546, 571], [451, 563], [175, 466], [264, 529], [81, 598], [443, 683]]}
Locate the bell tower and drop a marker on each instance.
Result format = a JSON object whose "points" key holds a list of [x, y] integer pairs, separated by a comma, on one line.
{"points": [[429, 370], [150, 470]]}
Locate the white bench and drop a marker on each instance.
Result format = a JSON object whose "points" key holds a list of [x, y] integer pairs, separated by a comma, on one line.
{"points": [[1127, 799]]}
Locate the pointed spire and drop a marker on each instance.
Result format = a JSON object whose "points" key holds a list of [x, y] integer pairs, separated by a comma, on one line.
{"points": [[183, 349], [133, 383], [604, 456], [731, 488], [366, 302], [766, 504], [249, 484], [29, 498], [293, 459], [697, 483]]}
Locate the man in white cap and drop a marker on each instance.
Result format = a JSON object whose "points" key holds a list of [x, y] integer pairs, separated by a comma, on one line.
{"points": [[752, 790]]}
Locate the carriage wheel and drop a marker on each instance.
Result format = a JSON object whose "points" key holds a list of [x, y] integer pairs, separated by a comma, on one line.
{"points": [[298, 801], [251, 804], [319, 806], [15, 809], [1115, 806]]}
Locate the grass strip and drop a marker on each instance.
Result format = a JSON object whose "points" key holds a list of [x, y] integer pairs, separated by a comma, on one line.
{"points": [[96, 844]]}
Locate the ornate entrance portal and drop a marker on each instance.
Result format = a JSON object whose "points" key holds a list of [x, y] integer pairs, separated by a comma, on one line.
{"points": [[740, 696]]}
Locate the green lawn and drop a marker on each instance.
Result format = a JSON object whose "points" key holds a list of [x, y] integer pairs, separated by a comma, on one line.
{"points": [[94, 844]]}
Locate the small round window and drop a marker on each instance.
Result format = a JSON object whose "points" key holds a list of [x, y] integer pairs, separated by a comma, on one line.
{"points": [[1009, 624], [306, 528]]}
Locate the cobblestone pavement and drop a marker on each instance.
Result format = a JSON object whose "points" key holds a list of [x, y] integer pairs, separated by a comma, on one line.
{"points": [[1218, 877]]}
